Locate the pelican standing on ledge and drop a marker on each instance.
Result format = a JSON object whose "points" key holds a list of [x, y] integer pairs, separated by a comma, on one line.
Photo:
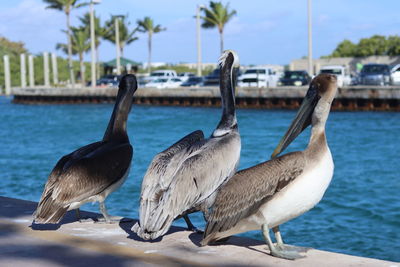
{"points": [[181, 178], [274, 192], [94, 171]]}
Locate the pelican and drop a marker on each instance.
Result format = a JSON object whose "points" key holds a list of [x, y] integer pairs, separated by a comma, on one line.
{"points": [[181, 178], [273, 192], [92, 172]]}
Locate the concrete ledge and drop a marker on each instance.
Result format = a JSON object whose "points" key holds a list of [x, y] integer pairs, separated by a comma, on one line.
{"points": [[365, 92], [86, 244]]}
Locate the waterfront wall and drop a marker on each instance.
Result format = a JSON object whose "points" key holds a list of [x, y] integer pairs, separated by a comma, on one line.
{"points": [[356, 98], [73, 243]]}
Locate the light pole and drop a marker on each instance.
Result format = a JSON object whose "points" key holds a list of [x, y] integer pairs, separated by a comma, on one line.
{"points": [[92, 43], [118, 62], [199, 68], [310, 61]]}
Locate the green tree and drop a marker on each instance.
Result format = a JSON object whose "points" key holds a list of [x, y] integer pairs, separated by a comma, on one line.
{"points": [[217, 16], [126, 36], [344, 49], [376, 45], [80, 43], [373, 46], [147, 25], [393, 45], [13, 50], [66, 6], [100, 32]]}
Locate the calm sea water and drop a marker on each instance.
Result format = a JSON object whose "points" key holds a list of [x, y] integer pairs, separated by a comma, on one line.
{"points": [[359, 214]]}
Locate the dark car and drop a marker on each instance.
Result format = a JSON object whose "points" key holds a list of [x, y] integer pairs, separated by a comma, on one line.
{"points": [[375, 74], [212, 79], [109, 80], [193, 81], [296, 78]]}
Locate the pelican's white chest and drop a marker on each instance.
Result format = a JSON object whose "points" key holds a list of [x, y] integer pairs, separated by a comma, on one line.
{"points": [[300, 195]]}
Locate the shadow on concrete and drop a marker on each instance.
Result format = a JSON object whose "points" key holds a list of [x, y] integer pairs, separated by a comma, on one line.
{"points": [[233, 240], [43, 253], [69, 217], [127, 227], [58, 255]]}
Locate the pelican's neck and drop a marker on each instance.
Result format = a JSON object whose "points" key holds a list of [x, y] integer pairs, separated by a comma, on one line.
{"points": [[228, 120], [116, 129], [318, 141]]}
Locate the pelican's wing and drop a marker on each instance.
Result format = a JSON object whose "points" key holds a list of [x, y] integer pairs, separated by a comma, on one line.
{"points": [[162, 170], [86, 172], [248, 189], [207, 164]]}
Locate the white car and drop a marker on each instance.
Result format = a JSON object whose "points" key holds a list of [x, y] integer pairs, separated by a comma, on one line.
{"points": [[157, 74], [258, 77], [395, 75], [162, 83], [342, 74]]}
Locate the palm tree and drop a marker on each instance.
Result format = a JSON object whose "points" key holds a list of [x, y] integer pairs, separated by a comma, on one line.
{"points": [[147, 25], [66, 6], [100, 32], [80, 43], [217, 16], [125, 36]]}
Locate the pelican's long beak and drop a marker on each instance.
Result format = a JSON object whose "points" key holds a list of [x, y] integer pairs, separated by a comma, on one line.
{"points": [[301, 121]]}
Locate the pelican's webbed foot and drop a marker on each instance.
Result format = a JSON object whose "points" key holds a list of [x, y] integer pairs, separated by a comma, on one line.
{"points": [[106, 217], [280, 250]]}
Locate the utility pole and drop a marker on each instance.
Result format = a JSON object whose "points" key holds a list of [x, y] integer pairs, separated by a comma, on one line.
{"points": [[199, 67], [310, 61], [46, 69], [92, 44], [54, 67], [31, 71], [23, 70], [118, 62], [7, 77]]}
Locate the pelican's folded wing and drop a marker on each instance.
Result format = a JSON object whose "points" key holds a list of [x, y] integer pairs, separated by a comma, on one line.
{"points": [[162, 170], [248, 189], [80, 175]]}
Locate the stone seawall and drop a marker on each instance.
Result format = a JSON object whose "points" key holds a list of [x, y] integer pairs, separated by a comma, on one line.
{"points": [[356, 98], [72, 243]]}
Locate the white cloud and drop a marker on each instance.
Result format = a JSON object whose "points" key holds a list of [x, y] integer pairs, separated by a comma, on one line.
{"points": [[30, 22]]}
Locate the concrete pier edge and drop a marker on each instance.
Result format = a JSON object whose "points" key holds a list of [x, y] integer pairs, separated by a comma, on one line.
{"points": [[357, 98], [75, 243]]}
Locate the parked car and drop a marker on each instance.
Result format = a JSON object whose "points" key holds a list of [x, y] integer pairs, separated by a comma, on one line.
{"points": [[108, 80], [375, 74], [341, 72], [154, 75], [395, 75], [184, 76], [258, 77], [161, 83], [193, 81], [212, 79], [296, 78]]}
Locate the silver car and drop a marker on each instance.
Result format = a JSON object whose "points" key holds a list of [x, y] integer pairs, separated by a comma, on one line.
{"points": [[375, 74]]}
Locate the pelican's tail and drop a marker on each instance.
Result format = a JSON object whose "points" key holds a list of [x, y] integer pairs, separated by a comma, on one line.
{"points": [[49, 211], [154, 224]]}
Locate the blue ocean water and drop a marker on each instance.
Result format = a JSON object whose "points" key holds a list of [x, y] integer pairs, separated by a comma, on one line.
{"points": [[359, 214]]}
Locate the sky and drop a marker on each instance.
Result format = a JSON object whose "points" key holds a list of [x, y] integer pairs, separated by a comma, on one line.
{"points": [[262, 32]]}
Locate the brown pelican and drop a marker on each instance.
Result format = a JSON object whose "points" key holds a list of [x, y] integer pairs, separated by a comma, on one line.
{"points": [[181, 178], [276, 191], [92, 172]]}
